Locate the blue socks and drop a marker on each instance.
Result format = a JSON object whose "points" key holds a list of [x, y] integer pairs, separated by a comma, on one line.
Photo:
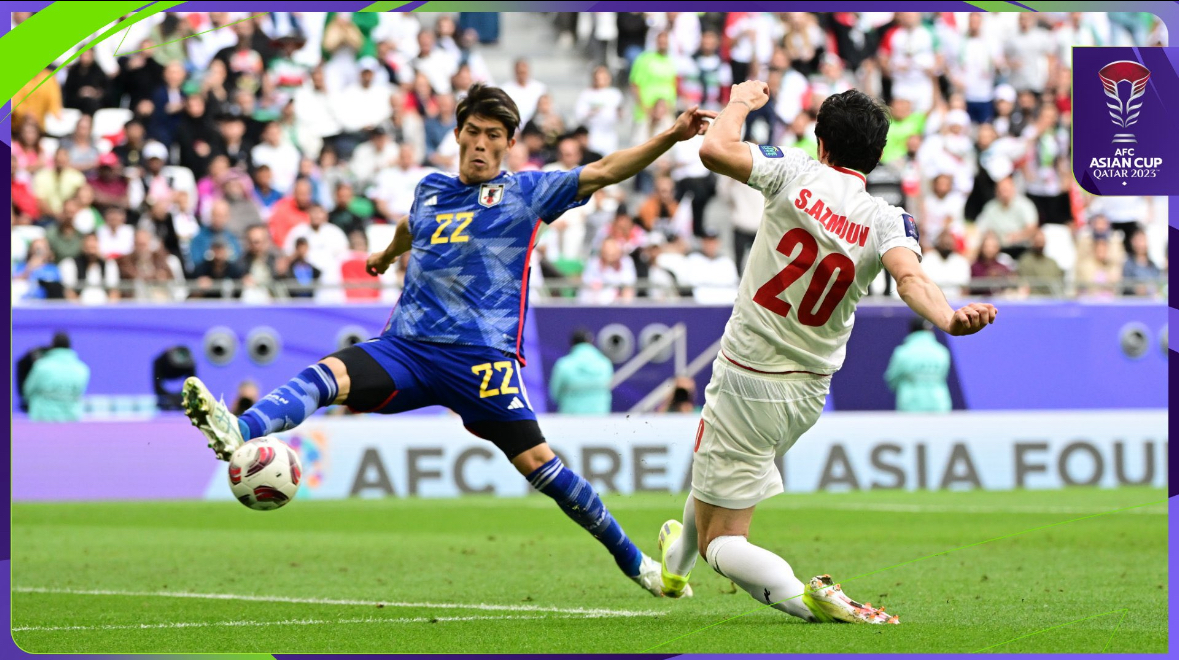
{"points": [[287, 407], [577, 499]]}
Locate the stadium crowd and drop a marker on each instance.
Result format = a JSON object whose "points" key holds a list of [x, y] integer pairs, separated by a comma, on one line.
{"points": [[264, 159]]}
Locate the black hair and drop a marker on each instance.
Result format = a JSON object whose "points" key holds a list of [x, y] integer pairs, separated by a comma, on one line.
{"points": [[918, 324], [853, 128], [490, 102], [581, 336], [60, 340]]}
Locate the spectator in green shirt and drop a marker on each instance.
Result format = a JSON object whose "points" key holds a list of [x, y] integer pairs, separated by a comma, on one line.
{"points": [[653, 77], [56, 383], [917, 371], [905, 124], [580, 382]]}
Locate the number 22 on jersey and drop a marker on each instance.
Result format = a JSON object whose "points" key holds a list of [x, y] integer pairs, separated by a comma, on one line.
{"points": [[456, 235], [767, 295]]}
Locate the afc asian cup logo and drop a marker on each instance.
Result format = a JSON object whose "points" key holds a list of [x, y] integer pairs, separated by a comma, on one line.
{"points": [[1124, 112]]}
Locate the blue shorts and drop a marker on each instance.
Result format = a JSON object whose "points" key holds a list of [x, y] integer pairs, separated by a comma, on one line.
{"points": [[479, 383]]}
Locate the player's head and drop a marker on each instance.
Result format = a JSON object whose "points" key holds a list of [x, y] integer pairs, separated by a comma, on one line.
{"points": [[486, 122], [851, 130]]}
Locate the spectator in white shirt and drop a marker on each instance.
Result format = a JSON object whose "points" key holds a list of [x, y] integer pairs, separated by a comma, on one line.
{"points": [[525, 91], [314, 112], [379, 152], [608, 277], [89, 277], [912, 61], [975, 67], [598, 109], [1030, 52], [714, 275], [327, 245], [944, 209], [115, 238], [691, 177], [279, 155], [396, 185], [364, 104], [436, 64], [948, 269]]}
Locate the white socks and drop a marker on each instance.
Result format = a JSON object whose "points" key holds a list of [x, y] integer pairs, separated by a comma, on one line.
{"points": [[681, 556], [766, 576]]}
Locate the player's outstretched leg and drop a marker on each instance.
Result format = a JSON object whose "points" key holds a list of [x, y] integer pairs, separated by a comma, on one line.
{"points": [[578, 499], [678, 544], [281, 410]]}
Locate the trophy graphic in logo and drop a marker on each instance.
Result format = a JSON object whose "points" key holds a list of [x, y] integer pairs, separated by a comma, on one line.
{"points": [[1124, 113]]}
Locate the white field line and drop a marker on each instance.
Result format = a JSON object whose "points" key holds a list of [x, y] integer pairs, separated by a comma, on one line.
{"points": [[285, 622], [588, 612]]}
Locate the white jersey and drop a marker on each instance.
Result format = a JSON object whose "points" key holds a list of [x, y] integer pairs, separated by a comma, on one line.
{"points": [[820, 244]]}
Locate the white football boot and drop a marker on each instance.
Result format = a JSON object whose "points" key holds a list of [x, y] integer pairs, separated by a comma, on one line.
{"points": [[829, 604], [212, 418], [649, 576]]}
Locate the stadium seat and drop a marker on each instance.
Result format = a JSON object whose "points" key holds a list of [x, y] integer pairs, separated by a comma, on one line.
{"points": [[110, 121], [63, 125]]}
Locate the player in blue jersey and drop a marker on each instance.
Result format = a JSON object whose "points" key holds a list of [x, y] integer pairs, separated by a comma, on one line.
{"points": [[454, 338]]}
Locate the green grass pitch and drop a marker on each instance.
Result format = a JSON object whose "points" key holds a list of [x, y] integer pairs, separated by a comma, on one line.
{"points": [[514, 575]]}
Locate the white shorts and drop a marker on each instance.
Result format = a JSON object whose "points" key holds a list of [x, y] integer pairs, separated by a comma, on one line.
{"points": [[749, 420]]}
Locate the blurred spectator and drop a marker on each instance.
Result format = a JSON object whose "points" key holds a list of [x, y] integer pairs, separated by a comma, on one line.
{"points": [[243, 212], [261, 265], [158, 220], [547, 120], [395, 188], [342, 214], [291, 211], [64, 238], [86, 218], [942, 209], [327, 245], [115, 237], [151, 182], [148, 263], [168, 104], [39, 275], [242, 60], [26, 148], [364, 105], [56, 383], [658, 210], [744, 207], [90, 277], [440, 125], [197, 136], [216, 271], [304, 274], [989, 266], [371, 157], [581, 135], [609, 276], [359, 285], [653, 78], [714, 275], [247, 396], [912, 61], [978, 60], [905, 124], [1029, 52], [265, 196], [1099, 272], [1010, 217], [83, 153], [85, 84], [130, 151], [1140, 275], [1047, 276], [598, 109], [946, 267], [54, 185], [580, 383], [683, 396], [1047, 167], [39, 98], [691, 177], [109, 185], [217, 231], [524, 90], [436, 64], [917, 371], [279, 155]]}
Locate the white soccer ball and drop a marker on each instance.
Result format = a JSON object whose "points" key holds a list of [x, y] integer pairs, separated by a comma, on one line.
{"points": [[264, 474]]}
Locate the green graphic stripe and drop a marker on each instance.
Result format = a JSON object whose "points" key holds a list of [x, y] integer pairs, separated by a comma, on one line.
{"points": [[10, 85], [386, 5], [1124, 611], [996, 6], [936, 554], [49, 33], [118, 54]]}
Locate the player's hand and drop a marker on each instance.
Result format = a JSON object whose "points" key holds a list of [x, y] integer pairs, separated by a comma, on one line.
{"points": [[377, 264], [755, 93], [691, 123], [971, 318]]}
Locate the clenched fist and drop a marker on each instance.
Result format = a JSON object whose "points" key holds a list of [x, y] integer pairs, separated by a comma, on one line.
{"points": [[753, 93], [971, 318]]}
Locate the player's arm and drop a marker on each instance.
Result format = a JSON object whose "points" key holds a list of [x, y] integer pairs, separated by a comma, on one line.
{"points": [[723, 151], [926, 298], [622, 165], [379, 262]]}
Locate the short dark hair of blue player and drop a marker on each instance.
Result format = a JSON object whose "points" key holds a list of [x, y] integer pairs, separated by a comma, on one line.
{"points": [[490, 102], [853, 128]]}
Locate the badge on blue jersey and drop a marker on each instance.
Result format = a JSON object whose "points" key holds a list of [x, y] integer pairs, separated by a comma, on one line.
{"points": [[770, 151], [910, 227], [491, 194]]}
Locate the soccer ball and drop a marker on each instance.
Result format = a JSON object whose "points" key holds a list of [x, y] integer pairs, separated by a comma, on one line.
{"points": [[264, 474]]}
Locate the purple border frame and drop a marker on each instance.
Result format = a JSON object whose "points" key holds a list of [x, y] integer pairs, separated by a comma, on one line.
{"points": [[1167, 10]]}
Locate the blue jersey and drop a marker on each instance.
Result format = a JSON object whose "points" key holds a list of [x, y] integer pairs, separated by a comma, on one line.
{"points": [[467, 279]]}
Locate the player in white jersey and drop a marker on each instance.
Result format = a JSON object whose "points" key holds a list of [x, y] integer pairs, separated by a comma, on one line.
{"points": [[822, 239]]}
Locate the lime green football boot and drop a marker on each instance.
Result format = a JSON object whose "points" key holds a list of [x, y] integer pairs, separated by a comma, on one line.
{"points": [[674, 586]]}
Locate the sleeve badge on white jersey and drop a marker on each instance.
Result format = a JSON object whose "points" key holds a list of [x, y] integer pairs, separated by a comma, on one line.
{"points": [[910, 227], [770, 151]]}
